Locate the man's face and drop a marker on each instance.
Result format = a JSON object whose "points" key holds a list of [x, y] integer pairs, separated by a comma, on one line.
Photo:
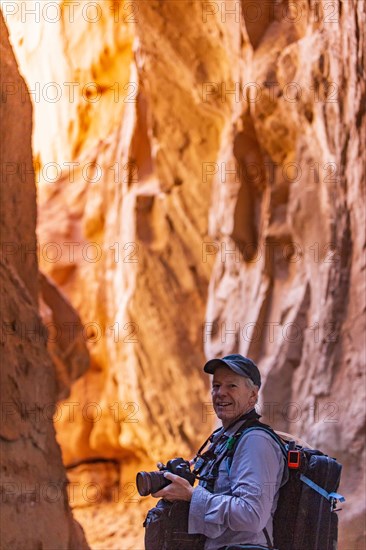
{"points": [[230, 395]]}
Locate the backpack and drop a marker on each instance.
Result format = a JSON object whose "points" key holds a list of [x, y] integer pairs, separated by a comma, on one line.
{"points": [[306, 516], [166, 528]]}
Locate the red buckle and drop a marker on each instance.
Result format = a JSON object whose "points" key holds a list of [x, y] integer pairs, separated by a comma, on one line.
{"points": [[293, 459]]}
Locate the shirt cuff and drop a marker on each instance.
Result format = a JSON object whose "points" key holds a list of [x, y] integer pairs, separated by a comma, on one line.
{"points": [[197, 510]]}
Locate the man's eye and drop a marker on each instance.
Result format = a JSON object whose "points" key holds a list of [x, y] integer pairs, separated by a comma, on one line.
{"points": [[233, 386]]}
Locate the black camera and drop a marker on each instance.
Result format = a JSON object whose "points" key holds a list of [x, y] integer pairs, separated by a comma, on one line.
{"points": [[151, 482]]}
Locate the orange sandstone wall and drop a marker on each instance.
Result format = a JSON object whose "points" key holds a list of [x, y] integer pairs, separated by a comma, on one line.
{"points": [[34, 504], [207, 197]]}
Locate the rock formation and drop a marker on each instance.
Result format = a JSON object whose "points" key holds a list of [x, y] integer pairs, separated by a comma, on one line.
{"points": [[34, 502], [202, 192]]}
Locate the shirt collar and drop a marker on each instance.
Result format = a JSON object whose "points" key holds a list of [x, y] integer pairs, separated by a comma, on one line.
{"points": [[234, 427]]}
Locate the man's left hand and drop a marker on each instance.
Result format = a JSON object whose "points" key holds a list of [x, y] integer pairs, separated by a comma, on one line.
{"points": [[179, 489]]}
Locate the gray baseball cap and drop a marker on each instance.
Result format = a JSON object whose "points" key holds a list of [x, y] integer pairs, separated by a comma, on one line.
{"points": [[237, 363]]}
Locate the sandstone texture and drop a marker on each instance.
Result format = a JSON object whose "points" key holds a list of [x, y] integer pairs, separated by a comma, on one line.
{"points": [[34, 503], [202, 192]]}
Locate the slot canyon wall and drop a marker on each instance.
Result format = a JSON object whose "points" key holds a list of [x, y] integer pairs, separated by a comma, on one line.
{"points": [[201, 190], [34, 500]]}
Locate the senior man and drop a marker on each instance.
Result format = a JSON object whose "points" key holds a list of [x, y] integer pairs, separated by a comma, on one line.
{"points": [[234, 503]]}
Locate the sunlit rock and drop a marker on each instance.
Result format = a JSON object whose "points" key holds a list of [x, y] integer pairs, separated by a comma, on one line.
{"points": [[216, 206]]}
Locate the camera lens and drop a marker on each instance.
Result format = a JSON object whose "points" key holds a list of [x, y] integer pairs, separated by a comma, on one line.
{"points": [[143, 483], [150, 482]]}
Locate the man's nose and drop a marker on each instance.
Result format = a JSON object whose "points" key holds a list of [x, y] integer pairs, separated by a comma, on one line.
{"points": [[221, 391]]}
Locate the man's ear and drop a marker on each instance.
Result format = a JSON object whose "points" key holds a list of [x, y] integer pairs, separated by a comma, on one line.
{"points": [[253, 397]]}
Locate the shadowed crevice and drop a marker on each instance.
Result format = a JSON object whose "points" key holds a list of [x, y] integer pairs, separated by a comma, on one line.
{"points": [[258, 16], [247, 212]]}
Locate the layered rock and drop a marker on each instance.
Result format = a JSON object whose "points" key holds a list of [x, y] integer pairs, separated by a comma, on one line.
{"points": [[214, 207], [293, 294], [34, 508]]}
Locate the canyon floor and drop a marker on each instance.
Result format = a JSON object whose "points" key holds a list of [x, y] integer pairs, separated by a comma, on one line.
{"points": [[114, 526]]}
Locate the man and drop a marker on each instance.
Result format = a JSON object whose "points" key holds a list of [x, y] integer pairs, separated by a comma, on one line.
{"points": [[233, 504]]}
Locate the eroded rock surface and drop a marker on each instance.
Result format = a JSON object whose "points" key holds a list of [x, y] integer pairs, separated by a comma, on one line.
{"points": [[294, 292], [64, 335], [34, 504], [218, 205]]}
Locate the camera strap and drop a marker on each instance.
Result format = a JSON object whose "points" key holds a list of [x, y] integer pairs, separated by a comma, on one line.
{"points": [[216, 453]]}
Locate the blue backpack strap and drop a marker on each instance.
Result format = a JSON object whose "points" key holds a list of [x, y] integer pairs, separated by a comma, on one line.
{"points": [[321, 491]]}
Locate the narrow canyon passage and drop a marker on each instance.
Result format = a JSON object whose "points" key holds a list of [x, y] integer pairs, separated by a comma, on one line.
{"points": [[180, 180]]}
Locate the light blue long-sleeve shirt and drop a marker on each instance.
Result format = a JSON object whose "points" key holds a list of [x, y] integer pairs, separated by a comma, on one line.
{"points": [[245, 496]]}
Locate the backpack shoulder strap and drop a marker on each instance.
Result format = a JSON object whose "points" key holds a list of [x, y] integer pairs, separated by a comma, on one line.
{"points": [[255, 426]]}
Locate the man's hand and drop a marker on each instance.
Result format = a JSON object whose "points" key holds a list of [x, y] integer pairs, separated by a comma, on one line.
{"points": [[179, 489]]}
